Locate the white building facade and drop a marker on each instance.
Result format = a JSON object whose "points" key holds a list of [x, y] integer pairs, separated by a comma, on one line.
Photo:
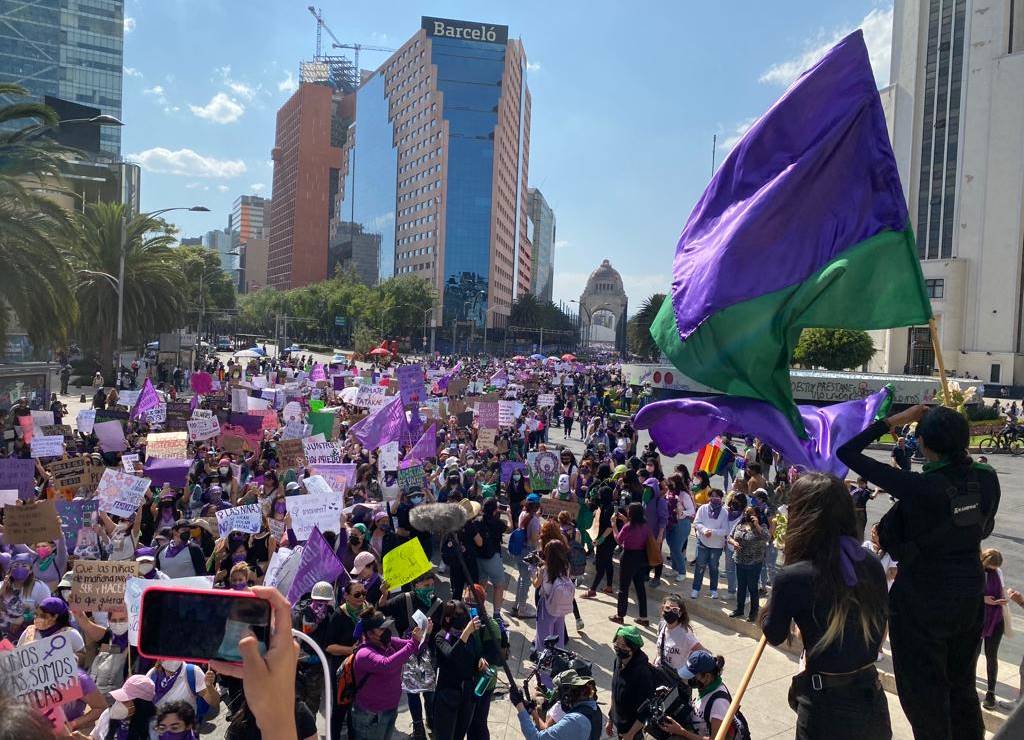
{"points": [[955, 112]]}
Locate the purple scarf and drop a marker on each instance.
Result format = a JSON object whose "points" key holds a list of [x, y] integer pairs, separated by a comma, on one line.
{"points": [[48, 631], [850, 552], [163, 682], [715, 509], [173, 548]]}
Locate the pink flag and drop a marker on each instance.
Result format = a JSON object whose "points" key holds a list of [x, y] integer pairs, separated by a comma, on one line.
{"points": [[148, 399], [384, 425], [201, 382], [426, 447]]}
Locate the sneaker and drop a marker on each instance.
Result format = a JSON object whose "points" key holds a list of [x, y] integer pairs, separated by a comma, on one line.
{"points": [[713, 595], [990, 701], [1009, 706], [644, 622], [590, 594], [579, 625], [694, 594], [680, 577], [616, 619], [736, 613]]}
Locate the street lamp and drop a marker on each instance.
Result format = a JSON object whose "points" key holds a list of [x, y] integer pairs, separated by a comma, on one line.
{"points": [[202, 295], [101, 120], [120, 272], [384, 312], [426, 312]]}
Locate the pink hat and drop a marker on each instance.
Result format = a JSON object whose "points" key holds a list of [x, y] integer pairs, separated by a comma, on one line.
{"points": [[362, 560], [136, 687]]}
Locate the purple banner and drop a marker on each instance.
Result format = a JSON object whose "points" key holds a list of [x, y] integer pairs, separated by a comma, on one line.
{"points": [[317, 563], [20, 474]]}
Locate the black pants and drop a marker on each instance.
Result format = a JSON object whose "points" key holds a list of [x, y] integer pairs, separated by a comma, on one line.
{"points": [[991, 659], [478, 726], [855, 712], [935, 642], [747, 577], [633, 568], [453, 712], [603, 565]]}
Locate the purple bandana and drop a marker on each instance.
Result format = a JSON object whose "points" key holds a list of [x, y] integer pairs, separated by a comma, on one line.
{"points": [[850, 552]]}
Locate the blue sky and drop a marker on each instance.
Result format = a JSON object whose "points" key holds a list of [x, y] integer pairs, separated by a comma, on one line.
{"points": [[626, 99]]}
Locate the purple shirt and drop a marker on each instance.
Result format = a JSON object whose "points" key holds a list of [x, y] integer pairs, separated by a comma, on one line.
{"points": [[382, 691], [633, 537], [993, 614]]}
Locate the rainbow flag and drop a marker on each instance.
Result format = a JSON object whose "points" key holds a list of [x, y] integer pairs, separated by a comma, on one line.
{"points": [[709, 458]]}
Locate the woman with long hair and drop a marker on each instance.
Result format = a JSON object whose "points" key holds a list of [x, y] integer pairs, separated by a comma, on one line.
{"points": [[550, 581], [835, 592], [604, 568], [994, 625], [632, 536]]}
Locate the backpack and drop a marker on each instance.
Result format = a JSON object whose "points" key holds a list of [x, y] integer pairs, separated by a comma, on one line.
{"points": [[517, 542], [202, 706], [593, 716], [577, 559], [739, 722], [558, 601], [347, 686]]}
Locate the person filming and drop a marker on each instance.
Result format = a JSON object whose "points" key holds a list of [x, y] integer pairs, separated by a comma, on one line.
{"points": [[935, 531]]}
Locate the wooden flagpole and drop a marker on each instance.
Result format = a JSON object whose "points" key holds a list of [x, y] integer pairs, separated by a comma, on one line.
{"points": [[938, 358], [734, 705]]}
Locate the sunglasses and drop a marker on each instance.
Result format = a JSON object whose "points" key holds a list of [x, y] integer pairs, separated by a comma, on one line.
{"points": [[358, 595]]}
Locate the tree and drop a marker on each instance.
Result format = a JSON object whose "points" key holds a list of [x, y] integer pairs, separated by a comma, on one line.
{"points": [[638, 328], [154, 289], [35, 282], [200, 266], [530, 311], [833, 349]]}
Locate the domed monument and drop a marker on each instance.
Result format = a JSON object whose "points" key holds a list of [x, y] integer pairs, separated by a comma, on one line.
{"points": [[603, 310]]}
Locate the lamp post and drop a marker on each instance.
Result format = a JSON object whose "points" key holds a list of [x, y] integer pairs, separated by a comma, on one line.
{"points": [[586, 342], [384, 312], [120, 270], [492, 308], [426, 312]]}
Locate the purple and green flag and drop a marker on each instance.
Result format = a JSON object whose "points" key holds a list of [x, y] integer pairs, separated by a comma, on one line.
{"points": [[804, 225], [386, 424]]}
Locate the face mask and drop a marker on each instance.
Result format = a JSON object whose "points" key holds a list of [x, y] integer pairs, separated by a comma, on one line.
{"points": [[425, 594], [238, 557], [516, 477], [170, 666], [145, 568], [19, 574], [122, 527], [416, 499], [623, 653], [44, 552], [183, 735], [716, 504], [239, 586], [118, 711], [670, 617], [223, 471], [119, 628]]}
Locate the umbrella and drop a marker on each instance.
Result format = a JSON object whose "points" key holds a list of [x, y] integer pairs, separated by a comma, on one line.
{"points": [[568, 357], [379, 351], [293, 348], [537, 357], [553, 359], [339, 358], [248, 354], [518, 358], [258, 350]]}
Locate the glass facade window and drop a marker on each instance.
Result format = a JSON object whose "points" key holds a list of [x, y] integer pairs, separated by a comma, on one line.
{"points": [[935, 287]]}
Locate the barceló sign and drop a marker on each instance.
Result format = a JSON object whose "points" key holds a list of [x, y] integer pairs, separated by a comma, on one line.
{"points": [[468, 31]]}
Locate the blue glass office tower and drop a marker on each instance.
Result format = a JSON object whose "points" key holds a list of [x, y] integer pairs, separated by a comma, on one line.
{"points": [[69, 49], [436, 165]]}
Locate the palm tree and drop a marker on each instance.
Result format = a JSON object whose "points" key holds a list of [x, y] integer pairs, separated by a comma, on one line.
{"points": [[35, 282], [639, 327], [154, 289]]}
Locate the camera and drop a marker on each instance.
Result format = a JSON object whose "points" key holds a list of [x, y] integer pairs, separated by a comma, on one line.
{"points": [[664, 703], [534, 558]]}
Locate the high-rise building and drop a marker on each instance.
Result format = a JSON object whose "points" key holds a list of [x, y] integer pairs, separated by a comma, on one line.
{"points": [[955, 112], [69, 49], [221, 242], [542, 245], [436, 167], [306, 161], [250, 217]]}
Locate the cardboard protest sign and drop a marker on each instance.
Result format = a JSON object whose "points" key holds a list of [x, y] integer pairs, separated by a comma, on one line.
{"points": [[486, 440], [321, 453], [339, 477], [487, 415], [405, 563], [111, 436], [317, 563], [85, 420], [178, 412], [99, 584], [552, 506], [167, 445], [233, 444], [62, 430], [120, 493], [411, 478], [321, 510], [19, 474], [244, 518], [544, 470], [387, 456], [31, 523], [134, 587], [75, 515], [203, 429], [74, 474], [290, 454], [545, 399], [456, 387], [43, 672], [508, 467]]}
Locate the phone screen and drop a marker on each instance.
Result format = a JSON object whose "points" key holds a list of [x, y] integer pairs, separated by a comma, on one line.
{"points": [[200, 626]]}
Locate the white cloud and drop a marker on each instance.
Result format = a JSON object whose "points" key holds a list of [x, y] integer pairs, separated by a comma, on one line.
{"points": [[533, 66], [223, 188], [187, 163], [726, 143], [220, 109], [132, 72], [257, 187], [288, 84], [129, 25], [196, 186], [157, 90], [559, 243], [241, 89], [877, 27]]}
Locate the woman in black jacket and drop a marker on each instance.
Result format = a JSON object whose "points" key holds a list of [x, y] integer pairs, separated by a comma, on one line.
{"points": [[632, 683], [459, 658]]}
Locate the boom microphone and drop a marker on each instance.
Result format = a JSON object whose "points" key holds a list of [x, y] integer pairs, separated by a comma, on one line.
{"points": [[438, 519]]}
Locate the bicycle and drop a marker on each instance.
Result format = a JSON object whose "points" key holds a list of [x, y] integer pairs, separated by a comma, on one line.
{"points": [[1005, 441]]}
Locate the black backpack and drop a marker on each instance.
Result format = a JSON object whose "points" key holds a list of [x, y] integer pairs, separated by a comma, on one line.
{"points": [[739, 722], [593, 715]]}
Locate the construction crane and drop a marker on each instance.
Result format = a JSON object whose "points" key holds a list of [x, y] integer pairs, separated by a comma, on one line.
{"points": [[321, 26], [358, 47]]}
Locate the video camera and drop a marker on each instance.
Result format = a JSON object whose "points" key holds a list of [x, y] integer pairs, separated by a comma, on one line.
{"points": [[666, 702], [534, 558], [554, 660]]}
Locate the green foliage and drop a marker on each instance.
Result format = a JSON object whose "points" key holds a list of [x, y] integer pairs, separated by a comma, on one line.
{"points": [[833, 349], [638, 328], [201, 266], [530, 311], [364, 339], [981, 412]]}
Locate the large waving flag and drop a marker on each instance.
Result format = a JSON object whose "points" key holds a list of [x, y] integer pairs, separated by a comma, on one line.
{"points": [[148, 399], [441, 384], [804, 225], [386, 424], [426, 447]]}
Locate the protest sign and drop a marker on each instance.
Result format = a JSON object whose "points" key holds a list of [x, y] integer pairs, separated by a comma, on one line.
{"points": [[405, 563], [232, 443], [290, 454], [156, 415], [296, 429], [75, 515], [99, 585], [508, 467], [456, 387], [411, 478], [19, 474], [42, 673], [127, 398], [30, 523], [321, 509], [41, 419], [507, 413], [339, 477], [128, 462], [544, 470], [8, 497], [73, 474], [317, 563], [257, 404], [487, 415], [486, 440], [198, 413], [86, 418], [63, 430], [172, 471], [321, 453], [134, 587], [387, 456], [321, 422], [120, 493], [277, 528], [239, 400], [545, 399], [282, 568], [111, 436], [371, 396], [112, 414], [167, 445], [550, 507], [410, 383], [292, 411], [244, 518], [178, 413], [202, 429], [464, 418]]}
